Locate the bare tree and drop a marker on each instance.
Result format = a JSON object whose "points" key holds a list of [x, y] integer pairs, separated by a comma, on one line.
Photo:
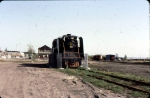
{"points": [[31, 49]]}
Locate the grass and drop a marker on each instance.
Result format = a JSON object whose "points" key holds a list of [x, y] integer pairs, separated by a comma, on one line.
{"points": [[103, 84], [129, 76]]}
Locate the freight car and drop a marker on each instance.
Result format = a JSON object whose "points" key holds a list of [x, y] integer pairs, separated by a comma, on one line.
{"points": [[67, 51], [97, 57]]}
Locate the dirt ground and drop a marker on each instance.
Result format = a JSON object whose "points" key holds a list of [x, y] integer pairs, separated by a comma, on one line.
{"points": [[141, 69], [38, 81]]}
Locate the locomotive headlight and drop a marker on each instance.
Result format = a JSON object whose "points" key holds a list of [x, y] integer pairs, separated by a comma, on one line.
{"points": [[71, 45]]}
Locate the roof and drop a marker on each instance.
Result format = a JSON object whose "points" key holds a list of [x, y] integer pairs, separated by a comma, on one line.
{"points": [[110, 55], [13, 51], [45, 47]]}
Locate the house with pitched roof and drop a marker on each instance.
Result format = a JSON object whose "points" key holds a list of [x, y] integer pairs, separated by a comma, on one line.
{"points": [[44, 51]]}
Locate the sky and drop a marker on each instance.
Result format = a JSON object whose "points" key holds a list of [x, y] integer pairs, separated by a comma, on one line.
{"points": [[107, 27]]}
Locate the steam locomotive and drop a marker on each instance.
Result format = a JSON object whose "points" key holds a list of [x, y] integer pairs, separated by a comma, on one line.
{"points": [[67, 51]]}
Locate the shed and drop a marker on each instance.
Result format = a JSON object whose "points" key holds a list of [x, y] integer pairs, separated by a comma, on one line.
{"points": [[97, 57], [110, 57]]}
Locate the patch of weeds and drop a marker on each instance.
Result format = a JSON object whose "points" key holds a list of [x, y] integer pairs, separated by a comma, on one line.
{"points": [[137, 94], [116, 89], [101, 83], [70, 71]]}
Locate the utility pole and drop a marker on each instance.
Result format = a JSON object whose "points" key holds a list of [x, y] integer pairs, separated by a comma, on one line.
{"points": [[149, 34], [32, 52]]}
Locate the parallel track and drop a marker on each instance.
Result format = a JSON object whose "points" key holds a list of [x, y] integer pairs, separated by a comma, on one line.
{"points": [[134, 84], [126, 79]]}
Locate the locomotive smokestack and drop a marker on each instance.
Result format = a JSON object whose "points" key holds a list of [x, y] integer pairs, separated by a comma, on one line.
{"points": [[68, 34]]}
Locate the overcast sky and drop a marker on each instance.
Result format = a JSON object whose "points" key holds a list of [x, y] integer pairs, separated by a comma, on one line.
{"points": [[107, 27]]}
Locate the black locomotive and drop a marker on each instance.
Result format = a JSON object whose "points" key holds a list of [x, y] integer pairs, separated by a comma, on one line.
{"points": [[67, 51]]}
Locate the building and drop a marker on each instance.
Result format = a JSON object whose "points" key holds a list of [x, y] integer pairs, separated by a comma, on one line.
{"points": [[97, 57], [110, 57], [11, 54], [26, 54], [1, 52], [44, 51], [14, 54]]}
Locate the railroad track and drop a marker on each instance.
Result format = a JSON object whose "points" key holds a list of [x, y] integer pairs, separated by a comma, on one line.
{"points": [[126, 79], [130, 84]]}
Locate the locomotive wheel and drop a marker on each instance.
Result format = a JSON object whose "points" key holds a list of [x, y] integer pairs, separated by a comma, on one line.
{"points": [[77, 64], [72, 65], [65, 64]]}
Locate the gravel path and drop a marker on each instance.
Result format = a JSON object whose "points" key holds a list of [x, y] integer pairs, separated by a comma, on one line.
{"points": [[38, 81]]}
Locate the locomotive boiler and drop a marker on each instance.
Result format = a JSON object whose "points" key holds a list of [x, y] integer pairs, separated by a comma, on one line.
{"points": [[67, 51]]}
